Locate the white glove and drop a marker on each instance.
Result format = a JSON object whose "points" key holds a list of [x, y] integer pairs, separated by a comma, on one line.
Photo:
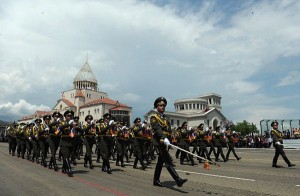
{"points": [[111, 122], [29, 138], [166, 142], [71, 122], [143, 125], [47, 129], [278, 143]]}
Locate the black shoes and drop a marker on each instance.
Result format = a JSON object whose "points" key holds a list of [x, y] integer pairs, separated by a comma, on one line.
{"points": [[292, 165], [180, 182], [239, 158], [277, 166], [157, 183]]}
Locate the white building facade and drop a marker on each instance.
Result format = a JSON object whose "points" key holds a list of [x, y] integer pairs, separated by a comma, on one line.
{"points": [[204, 109]]}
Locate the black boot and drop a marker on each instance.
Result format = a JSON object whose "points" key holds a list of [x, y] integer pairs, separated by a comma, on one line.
{"points": [[50, 166], [104, 166], [68, 168], [157, 183], [109, 171], [85, 161], [54, 164], [91, 162], [176, 177]]}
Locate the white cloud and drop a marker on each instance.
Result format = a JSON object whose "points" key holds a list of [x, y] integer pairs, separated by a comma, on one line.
{"points": [[292, 77], [242, 87], [21, 108]]}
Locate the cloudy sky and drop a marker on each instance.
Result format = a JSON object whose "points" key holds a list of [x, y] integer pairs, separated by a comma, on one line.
{"points": [[246, 51]]}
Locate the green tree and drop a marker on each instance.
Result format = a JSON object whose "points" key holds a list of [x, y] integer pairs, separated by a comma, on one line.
{"points": [[244, 128]]}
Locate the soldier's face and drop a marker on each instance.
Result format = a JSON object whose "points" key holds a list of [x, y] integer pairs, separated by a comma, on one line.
{"points": [[161, 107]]}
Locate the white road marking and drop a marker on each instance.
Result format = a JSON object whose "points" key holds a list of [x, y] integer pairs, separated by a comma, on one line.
{"points": [[213, 175], [297, 185]]}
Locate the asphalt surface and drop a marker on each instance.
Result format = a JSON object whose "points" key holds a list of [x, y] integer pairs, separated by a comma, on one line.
{"points": [[252, 175]]}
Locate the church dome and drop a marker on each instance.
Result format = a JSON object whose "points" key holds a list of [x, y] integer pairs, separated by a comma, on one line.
{"points": [[85, 74], [85, 78]]}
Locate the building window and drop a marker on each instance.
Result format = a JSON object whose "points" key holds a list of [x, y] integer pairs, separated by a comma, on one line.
{"points": [[178, 123], [95, 111], [172, 122], [89, 112], [194, 107], [181, 107], [98, 110], [190, 106]]}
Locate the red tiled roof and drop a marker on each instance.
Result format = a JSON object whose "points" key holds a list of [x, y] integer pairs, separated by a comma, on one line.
{"points": [[79, 94], [69, 103], [104, 101], [118, 108]]}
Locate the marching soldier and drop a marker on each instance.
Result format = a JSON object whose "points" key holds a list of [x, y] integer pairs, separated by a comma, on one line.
{"points": [[211, 142], [106, 144], [232, 139], [139, 143], [278, 145], [11, 135], [162, 130], [89, 130], [53, 139], [122, 136], [77, 145], [184, 143], [201, 143], [218, 137], [28, 133], [22, 140], [43, 132], [66, 130]]}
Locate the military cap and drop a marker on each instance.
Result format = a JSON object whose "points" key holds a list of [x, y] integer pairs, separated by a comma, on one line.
{"points": [[136, 119], [100, 120], [160, 99], [201, 125], [56, 114], [88, 117], [76, 118], [31, 124], [69, 112], [47, 117], [107, 115], [274, 122], [37, 120]]}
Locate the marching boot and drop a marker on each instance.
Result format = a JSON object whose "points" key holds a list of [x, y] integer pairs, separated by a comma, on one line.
{"points": [[54, 164], [85, 161], [59, 156], [108, 168], [64, 169], [288, 162], [68, 168], [135, 163], [50, 163], [44, 162], [33, 157], [156, 181], [104, 166], [91, 162], [117, 161], [122, 163], [176, 177]]}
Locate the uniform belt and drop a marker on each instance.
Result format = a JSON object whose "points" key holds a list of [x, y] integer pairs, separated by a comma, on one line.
{"points": [[167, 133]]}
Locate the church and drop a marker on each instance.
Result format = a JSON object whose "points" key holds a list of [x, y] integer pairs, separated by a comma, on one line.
{"points": [[204, 109], [86, 99]]}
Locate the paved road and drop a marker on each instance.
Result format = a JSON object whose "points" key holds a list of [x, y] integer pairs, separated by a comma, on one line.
{"points": [[252, 175]]}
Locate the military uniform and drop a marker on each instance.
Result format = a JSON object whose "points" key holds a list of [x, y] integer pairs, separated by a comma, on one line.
{"points": [[218, 137], [53, 140], [66, 131], [106, 132], [139, 143], [185, 144], [161, 131], [278, 145], [201, 143], [232, 139], [43, 132], [11, 136], [89, 130]]}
